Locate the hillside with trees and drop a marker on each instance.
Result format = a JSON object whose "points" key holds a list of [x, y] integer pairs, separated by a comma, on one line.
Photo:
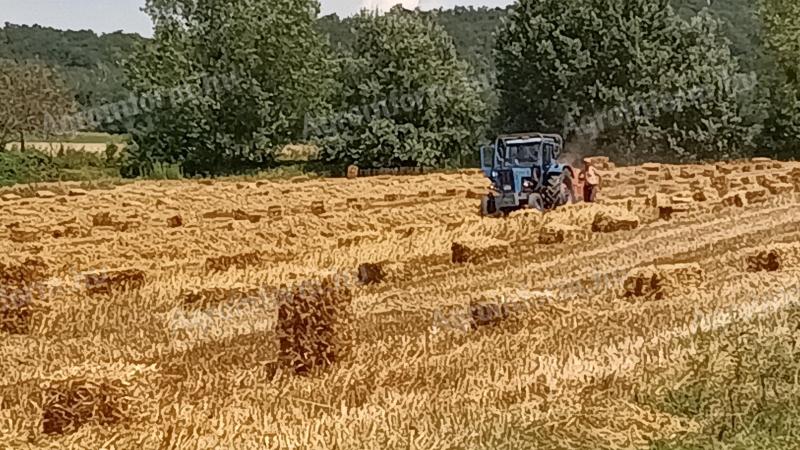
{"points": [[238, 80], [90, 64]]}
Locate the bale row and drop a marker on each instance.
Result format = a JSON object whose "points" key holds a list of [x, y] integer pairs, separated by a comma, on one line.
{"points": [[27, 272], [764, 261], [16, 312], [69, 405]]}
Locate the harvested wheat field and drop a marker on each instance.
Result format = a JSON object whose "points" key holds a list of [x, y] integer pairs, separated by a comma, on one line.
{"points": [[385, 313]]}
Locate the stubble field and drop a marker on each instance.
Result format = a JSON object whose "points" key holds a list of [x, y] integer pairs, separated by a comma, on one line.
{"points": [[145, 316]]}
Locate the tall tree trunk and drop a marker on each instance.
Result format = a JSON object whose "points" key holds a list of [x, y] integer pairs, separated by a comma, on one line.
{"points": [[21, 141]]}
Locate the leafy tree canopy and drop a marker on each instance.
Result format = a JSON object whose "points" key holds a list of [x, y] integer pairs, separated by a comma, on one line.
{"points": [[406, 98], [234, 78], [781, 20], [633, 71]]}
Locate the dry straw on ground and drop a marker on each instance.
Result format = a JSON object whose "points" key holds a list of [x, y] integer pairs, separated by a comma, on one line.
{"points": [[553, 343]]}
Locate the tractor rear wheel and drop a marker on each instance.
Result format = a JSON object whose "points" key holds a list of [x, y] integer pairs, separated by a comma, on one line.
{"points": [[559, 191]]}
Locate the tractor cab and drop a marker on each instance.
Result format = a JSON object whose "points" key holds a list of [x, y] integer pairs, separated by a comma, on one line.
{"points": [[525, 172]]}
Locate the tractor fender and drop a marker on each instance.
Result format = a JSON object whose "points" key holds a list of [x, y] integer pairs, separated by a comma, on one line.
{"points": [[559, 169]]}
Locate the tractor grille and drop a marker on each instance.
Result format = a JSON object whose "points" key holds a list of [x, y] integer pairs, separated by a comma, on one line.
{"points": [[506, 178]]}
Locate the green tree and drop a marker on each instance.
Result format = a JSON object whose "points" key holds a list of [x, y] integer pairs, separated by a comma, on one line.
{"points": [[29, 94], [406, 98], [781, 19], [651, 84], [232, 81]]}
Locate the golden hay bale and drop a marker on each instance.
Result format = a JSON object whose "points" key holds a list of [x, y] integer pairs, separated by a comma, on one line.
{"points": [[16, 313], [103, 219], [29, 271], [175, 221], [667, 212], [46, 194], [355, 203], [733, 199], [721, 184], [235, 214], [9, 197], [724, 169], [558, 232], [313, 328], [69, 231], [240, 261], [352, 172], [75, 192], [611, 219], [18, 288], [24, 235], [484, 314], [658, 282], [780, 188], [551, 235], [477, 250], [756, 196], [70, 404], [108, 281], [764, 261], [599, 162], [318, 207], [371, 273]]}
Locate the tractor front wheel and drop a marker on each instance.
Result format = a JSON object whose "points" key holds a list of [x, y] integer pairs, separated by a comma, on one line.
{"points": [[488, 207]]}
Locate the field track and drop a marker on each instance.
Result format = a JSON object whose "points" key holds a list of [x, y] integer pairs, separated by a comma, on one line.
{"points": [[190, 340]]}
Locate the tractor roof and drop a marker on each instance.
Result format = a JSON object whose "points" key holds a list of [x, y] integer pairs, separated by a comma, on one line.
{"points": [[523, 141], [526, 138]]}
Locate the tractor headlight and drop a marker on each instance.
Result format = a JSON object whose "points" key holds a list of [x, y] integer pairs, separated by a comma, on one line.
{"points": [[494, 174], [527, 184]]}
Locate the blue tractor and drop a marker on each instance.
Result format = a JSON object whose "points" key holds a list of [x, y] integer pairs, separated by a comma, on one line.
{"points": [[525, 173]]}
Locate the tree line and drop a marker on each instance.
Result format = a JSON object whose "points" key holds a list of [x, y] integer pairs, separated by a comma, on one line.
{"points": [[636, 79]]}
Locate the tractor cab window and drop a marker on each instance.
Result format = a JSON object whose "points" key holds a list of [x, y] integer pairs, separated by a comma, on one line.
{"points": [[548, 154], [524, 154]]}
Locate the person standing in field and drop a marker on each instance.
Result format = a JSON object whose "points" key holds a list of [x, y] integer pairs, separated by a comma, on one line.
{"points": [[591, 181]]}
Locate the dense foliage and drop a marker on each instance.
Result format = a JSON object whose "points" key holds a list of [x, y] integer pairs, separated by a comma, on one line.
{"points": [[238, 79], [633, 74], [405, 98], [472, 30], [781, 20], [235, 78]]}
